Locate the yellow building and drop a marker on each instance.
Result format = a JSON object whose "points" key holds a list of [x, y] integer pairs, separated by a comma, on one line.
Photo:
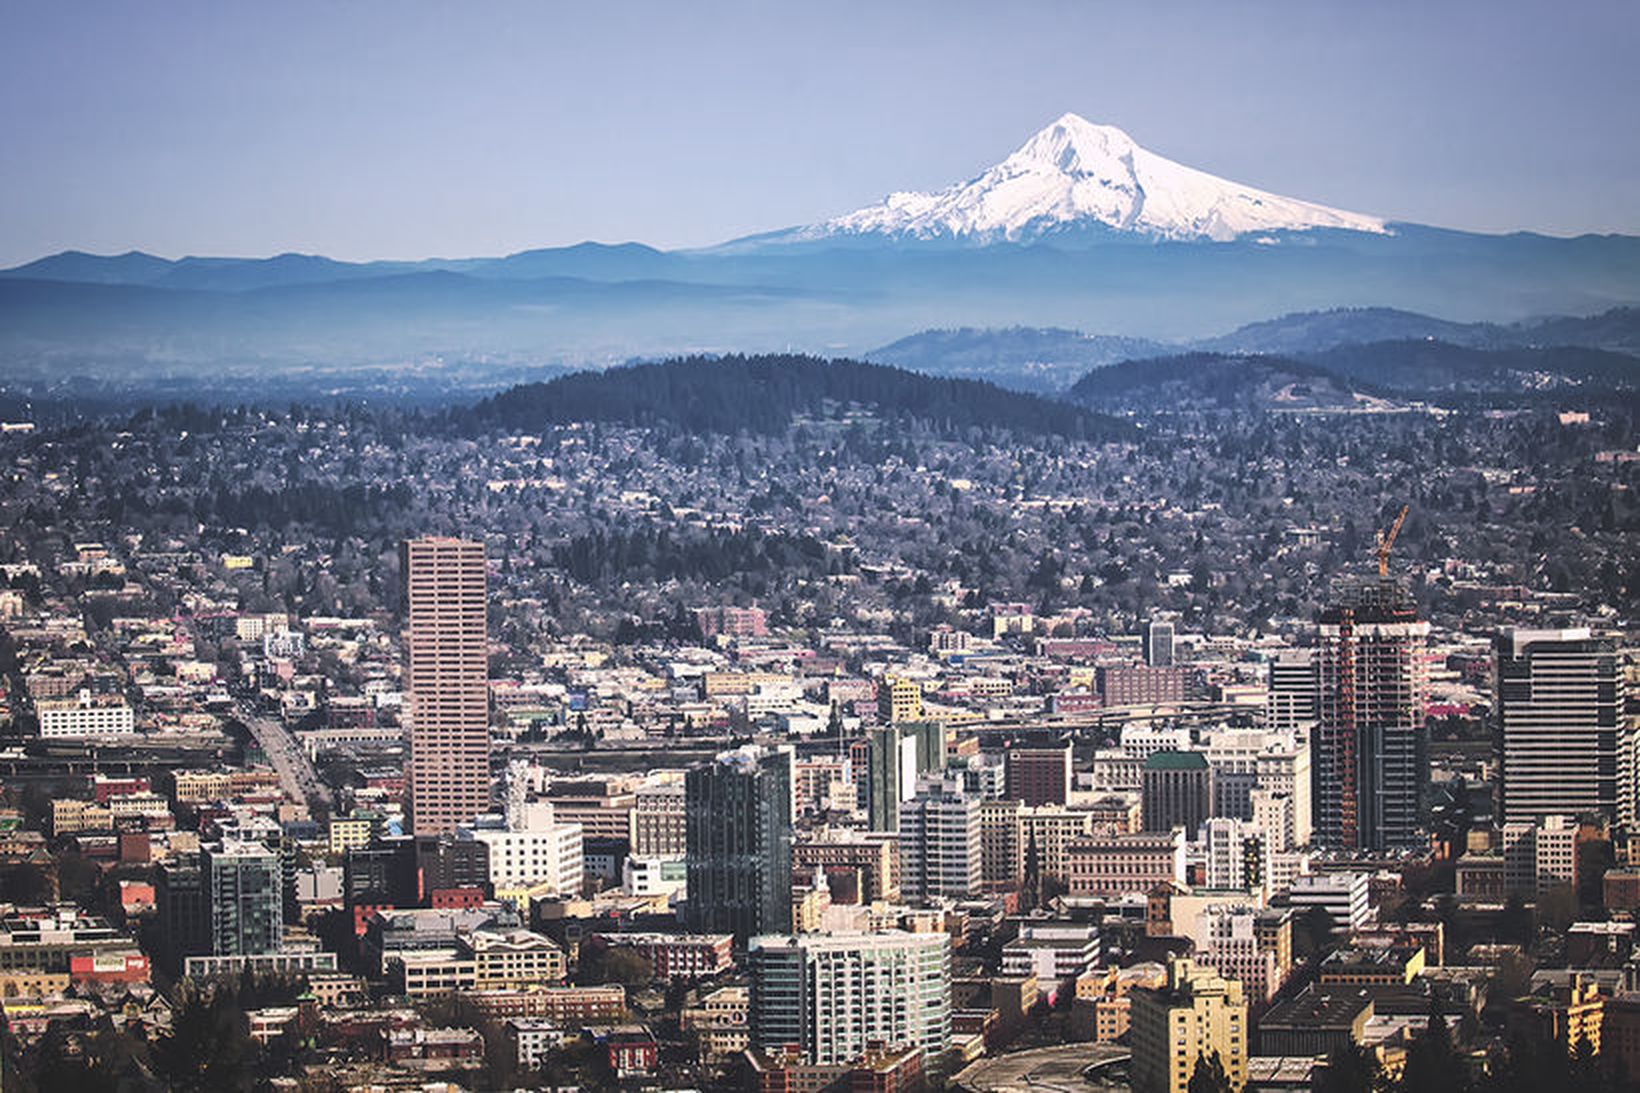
{"points": [[808, 908], [1562, 1014], [1196, 1014], [350, 832], [899, 700], [70, 816], [199, 786], [515, 958], [1103, 1008], [31, 983]]}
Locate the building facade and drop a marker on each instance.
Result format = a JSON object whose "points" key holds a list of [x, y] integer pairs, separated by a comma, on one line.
{"points": [[1559, 723], [831, 996], [738, 833], [447, 682], [246, 906], [1370, 751], [1039, 776], [940, 848], [1178, 790], [1196, 1014]]}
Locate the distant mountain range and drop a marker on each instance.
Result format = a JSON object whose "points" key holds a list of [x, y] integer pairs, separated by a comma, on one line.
{"points": [[1079, 229], [1376, 346]]}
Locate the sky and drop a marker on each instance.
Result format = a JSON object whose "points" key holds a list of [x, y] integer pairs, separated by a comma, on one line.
{"points": [[406, 130]]}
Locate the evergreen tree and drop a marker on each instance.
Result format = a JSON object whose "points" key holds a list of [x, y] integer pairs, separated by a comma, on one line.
{"points": [[209, 1047], [1433, 1063], [1209, 1075], [1350, 1069]]}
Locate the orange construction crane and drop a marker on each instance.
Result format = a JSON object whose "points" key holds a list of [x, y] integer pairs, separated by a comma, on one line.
{"points": [[1387, 541]]}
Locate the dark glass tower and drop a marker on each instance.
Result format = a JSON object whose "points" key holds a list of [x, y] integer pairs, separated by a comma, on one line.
{"points": [[738, 833]]}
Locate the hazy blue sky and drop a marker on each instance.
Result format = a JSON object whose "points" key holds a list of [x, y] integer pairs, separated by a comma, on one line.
{"points": [[368, 130]]}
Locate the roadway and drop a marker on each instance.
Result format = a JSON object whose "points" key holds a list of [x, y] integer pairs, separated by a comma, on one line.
{"points": [[1059, 1069], [296, 774]]}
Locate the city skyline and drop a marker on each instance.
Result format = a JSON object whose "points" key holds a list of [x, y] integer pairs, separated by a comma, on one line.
{"points": [[1151, 603]]}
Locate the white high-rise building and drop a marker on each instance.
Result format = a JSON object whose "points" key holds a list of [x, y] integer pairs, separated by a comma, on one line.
{"points": [[1275, 761], [1628, 777], [1292, 701], [941, 847], [1224, 844], [1236, 856], [1273, 819], [1560, 719], [833, 995]]}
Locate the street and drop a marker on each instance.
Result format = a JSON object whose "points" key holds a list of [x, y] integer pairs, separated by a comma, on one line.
{"points": [[296, 774]]}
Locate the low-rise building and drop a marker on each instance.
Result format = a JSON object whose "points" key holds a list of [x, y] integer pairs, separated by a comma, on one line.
{"points": [[514, 958], [1118, 865], [677, 956], [88, 715]]}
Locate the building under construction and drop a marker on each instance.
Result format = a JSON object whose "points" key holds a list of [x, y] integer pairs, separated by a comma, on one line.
{"points": [[1370, 748]]}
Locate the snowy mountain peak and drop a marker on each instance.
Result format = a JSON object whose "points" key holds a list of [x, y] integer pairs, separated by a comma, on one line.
{"points": [[1075, 174], [1074, 145]]}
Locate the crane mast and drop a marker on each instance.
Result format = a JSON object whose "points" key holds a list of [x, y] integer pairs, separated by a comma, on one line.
{"points": [[1386, 541]]}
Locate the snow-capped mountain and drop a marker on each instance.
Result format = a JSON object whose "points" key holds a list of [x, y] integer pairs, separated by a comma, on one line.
{"points": [[1077, 175]]}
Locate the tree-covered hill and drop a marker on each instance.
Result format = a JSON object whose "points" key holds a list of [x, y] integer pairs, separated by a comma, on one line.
{"points": [[1212, 381], [764, 394]]}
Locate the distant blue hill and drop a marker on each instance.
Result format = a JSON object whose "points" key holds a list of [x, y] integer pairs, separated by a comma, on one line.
{"points": [[600, 304]]}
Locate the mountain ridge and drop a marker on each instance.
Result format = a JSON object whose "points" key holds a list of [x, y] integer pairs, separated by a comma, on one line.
{"points": [[1038, 264]]}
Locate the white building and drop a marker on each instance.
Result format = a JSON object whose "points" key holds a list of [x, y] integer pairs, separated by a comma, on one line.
{"points": [[87, 715], [1227, 941], [1247, 760], [531, 849], [1235, 854], [1560, 702], [833, 995], [1051, 951], [941, 853], [1293, 702], [1286, 866], [1342, 895], [534, 1039], [1539, 856], [655, 877], [1121, 769], [1273, 819]]}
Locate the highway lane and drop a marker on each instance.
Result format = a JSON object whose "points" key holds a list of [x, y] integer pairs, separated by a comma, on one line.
{"points": [[296, 773]]}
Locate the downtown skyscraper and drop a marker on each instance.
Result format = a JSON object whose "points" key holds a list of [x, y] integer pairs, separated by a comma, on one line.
{"points": [[1370, 746], [1560, 725], [447, 678], [738, 837]]}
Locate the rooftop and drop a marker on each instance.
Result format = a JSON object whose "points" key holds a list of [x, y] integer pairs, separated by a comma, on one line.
{"points": [[1176, 760]]}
